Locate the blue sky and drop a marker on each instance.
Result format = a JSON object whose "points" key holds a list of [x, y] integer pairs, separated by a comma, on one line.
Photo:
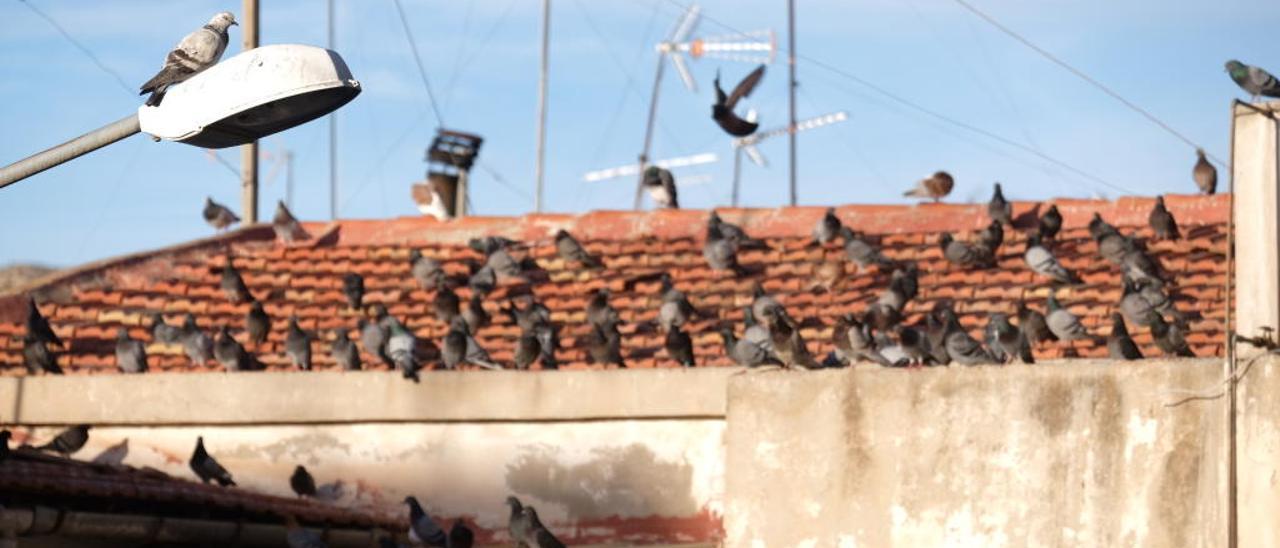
{"points": [[482, 59]]}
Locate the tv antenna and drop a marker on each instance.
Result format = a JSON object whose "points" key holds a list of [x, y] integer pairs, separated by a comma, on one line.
{"points": [[747, 145], [633, 169]]}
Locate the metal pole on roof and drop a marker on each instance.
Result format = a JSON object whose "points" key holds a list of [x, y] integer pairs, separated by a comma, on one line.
{"points": [[791, 89], [249, 152], [737, 172], [648, 131], [69, 150], [333, 135], [542, 107]]}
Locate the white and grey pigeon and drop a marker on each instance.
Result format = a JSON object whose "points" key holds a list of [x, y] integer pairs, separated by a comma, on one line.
{"points": [[661, 186], [196, 52], [1062, 323], [423, 529], [1042, 262], [828, 227], [286, 226], [401, 348]]}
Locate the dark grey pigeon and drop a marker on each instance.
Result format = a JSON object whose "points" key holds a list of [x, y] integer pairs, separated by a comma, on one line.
{"points": [[999, 209], [1050, 223], [992, 236], [257, 324], [1162, 222], [1009, 341], [913, 344], [233, 285], [604, 345], [483, 280], [1170, 339], [720, 252], [4, 444], [679, 346], [961, 347], [302, 483], [1255, 81], [964, 254], [548, 341], [842, 354], [862, 346], [530, 314], [1119, 345], [571, 251], [286, 226], [1099, 227], [1063, 324], [217, 215], [461, 536], [131, 355], [599, 311], [1135, 306], [425, 270], [423, 529], [862, 252], [446, 305], [344, 351], [722, 110], [503, 264], [661, 185], [1033, 325], [474, 314], [353, 290], [676, 310], [756, 332], [734, 233], [528, 349], [1042, 262], [297, 345], [828, 228], [38, 327], [788, 345], [37, 356], [162, 332], [489, 244], [374, 335], [460, 347], [936, 330], [402, 349], [208, 469], [763, 304], [1204, 174], [538, 536], [68, 441], [744, 352], [230, 354], [1138, 265], [197, 344]]}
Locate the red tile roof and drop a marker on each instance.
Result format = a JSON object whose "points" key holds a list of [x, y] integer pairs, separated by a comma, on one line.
{"points": [[85, 305]]}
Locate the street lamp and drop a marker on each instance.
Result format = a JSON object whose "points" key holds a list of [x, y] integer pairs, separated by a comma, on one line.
{"points": [[245, 98]]}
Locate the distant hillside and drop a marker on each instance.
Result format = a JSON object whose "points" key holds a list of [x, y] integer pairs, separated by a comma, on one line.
{"points": [[13, 276]]}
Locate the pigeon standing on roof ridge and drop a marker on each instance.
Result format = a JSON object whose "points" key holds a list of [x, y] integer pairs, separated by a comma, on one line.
{"points": [[207, 468], [196, 344], [196, 52], [1119, 345], [569, 250], [828, 228], [1256, 81], [722, 110], [735, 233], [131, 354], [37, 357], [217, 215], [861, 251], [1162, 222], [999, 209], [114, 455], [426, 271], [1050, 223], [964, 254], [1204, 174], [286, 226], [38, 327], [661, 185], [721, 252], [297, 345], [353, 290], [344, 351], [934, 187], [302, 483], [68, 441]]}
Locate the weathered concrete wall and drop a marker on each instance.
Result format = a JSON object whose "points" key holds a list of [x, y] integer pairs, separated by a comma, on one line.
{"points": [[1258, 453], [1079, 455]]}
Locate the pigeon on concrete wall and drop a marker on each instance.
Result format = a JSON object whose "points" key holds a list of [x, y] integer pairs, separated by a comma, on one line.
{"points": [[344, 351], [37, 356], [257, 324], [1255, 81], [162, 332], [197, 344], [423, 529], [196, 52], [297, 345], [38, 327], [1119, 345]]}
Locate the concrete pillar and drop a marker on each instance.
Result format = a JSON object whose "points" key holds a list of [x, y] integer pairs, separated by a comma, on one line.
{"points": [[1257, 199]]}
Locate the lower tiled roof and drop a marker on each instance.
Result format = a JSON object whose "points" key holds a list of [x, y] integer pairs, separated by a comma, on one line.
{"points": [[85, 306]]}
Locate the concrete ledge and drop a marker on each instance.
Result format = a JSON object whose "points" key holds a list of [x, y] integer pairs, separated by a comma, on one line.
{"points": [[358, 397]]}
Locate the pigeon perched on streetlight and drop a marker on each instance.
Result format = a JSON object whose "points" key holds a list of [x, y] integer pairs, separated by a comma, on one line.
{"points": [[1255, 81], [1050, 223], [195, 53], [964, 254], [37, 356], [286, 226], [208, 469], [401, 349], [721, 252], [1119, 345], [197, 344], [297, 345], [679, 346], [217, 215], [661, 185], [861, 251], [162, 332], [1162, 222], [1042, 262], [1204, 174], [722, 110], [344, 351], [114, 455], [38, 327], [570, 251], [257, 324], [302, 483], [935, 187], [1033, 324], [423, 529], [425, 270], [1009, 341], [1062, 323], [1169, 338], [828, 227], [744, 352], [999, 209], [233, 285], [353, 290], [131, 354], [68, 441], [231, 355]]}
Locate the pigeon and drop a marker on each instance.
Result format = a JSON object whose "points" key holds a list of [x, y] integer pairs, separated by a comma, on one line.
{"points": [[538, 536], [1162, 222], [503, 265], [302, 483], [1255, 81], [197, 344], [331, 492], [286, 226], [529, 315], [858, 343], [373, 335], [1119, 345], [788, 345], [401, 347], [1062, 323], [936, 329], [599, 312], [992, 236], [1009, 341], [460, 347], [528, 349], [68, 441], [862, 252], [4, 444], [735, 233], [1204, 174], [935, 187], [208, 469], [828, 228], [1137, 264], [429, 196], [744, 352], [999, 209], [676, 310], [131, 354], [489, 244], [757, 332], [518, 525], [961, 347], [763, 304], [474, 314], [38, 327], [1050, 223], [257, 324], [196, 52], [422, 529], [679, 346], [483, 280], [827, 275], [1113, 246], [1033, 325], [1042, 262], [1170, 339], [461, 536], [913, 344], [162, 332], [720, 252], [570, 251], [661, 185], [1140, 308], [353, 290], [298, 537], [445, 305], [604, 345], [722, 110], [344, 351], [426, 271], [230, 354], [297, 345], [233, 285], [1099, 227], [548, 342], [114, 455], [964, 254], [217, 215], [37, 356]]}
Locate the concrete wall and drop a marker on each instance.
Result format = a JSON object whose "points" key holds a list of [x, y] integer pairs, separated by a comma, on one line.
{"points": [[1258, 452]]}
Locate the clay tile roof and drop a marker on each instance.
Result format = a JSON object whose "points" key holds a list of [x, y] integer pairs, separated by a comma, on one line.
{"points": [[85, 305]]}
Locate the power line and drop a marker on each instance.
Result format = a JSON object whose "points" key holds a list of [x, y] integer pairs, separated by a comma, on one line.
{"points": [[413, 46], [1079, 73], [127, 88]]}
